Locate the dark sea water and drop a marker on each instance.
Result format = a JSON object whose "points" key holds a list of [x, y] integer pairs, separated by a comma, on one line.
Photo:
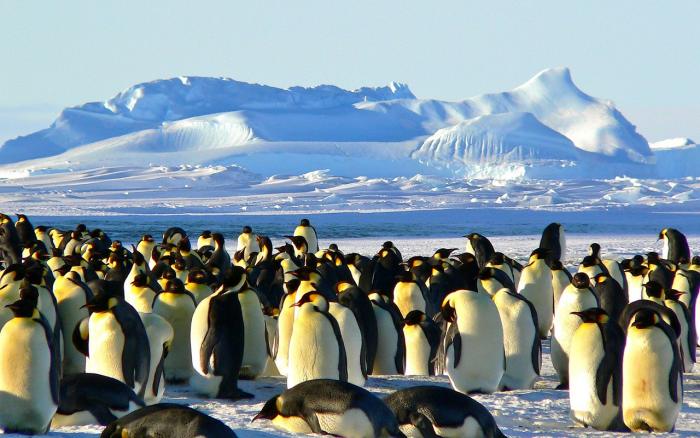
{"points": [[438, 223]]}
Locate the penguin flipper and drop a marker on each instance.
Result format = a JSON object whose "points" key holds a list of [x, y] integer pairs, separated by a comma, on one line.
{"points": [[423, 424], [81, 337], [158, 373], [454, 339]]}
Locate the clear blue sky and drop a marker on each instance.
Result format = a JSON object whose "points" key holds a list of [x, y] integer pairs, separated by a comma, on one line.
{"points": [[643, 55]]}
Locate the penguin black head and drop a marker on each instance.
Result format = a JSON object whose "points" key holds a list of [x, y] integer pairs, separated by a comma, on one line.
{"points": [[140, 280], [405, 277], [218, 238], [341, 286], [593, 315], [683, 260], [298, 241], [444, 253], [292, 285], [472, 236], [76, 235], [333, 247], [184, 245], [695, 260], [21, 217], [654, 289], [180, 265], [594, 250], [315, 298], [589, 261], [147, 238], [304, 223], [487, 273], [247, 229], [601, 277], [139, 260], [235, 276], [388, 244], [40, 229], [81, 228], [581, 280], [168, 274], [174, 286], [644, 318], [31, 294], [448, 312], [205, 234], [653, 258], [556, 265], [270, 410], [102, 302], [414, 317], [34, 274], [22, 308], [197, 276], [539, 253]]}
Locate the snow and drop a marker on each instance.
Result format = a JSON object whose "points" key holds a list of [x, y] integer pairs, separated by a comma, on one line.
{"points": [[545, 128], [543, 411]]}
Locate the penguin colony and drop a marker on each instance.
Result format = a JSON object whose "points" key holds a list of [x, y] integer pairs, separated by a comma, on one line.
{"points": [[91, 331]]}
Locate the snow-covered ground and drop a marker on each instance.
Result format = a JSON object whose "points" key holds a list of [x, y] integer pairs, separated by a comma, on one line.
{"points": [[542, 411]]}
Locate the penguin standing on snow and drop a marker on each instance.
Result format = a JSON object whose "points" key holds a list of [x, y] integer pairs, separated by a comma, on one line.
{"points": [[93, 399], [217, 339], [254, 333], [434, 411], [595, 371], [578, 296], [536, 285], [316, 348], [29, 381], [330, 407], [114, 330], [391, 346], [522, 344], [675, 246], [561, 277], [160, 337], [353, 342], [359, 303], [475, 358], [652, 390], [422, 337]]}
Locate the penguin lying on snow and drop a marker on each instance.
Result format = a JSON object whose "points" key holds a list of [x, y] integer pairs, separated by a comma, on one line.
{"points": [[167, 420], [330, 407], [433, 411]]}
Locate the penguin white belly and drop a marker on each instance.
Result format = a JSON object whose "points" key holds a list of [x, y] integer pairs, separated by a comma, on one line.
{"points": [[291, 424], [489, 286], [559, 282], [352, 340], [635, 286], [519, 335], [201, 382], [159, 332], [46, 306], [565, 325], [69, 303], [387, 344], [586, 354], [469, 429], [313, 349], [408, 297], [270, 366], [177, 309], [355, 273], [615, 272], [285, 326], [646, 365], [254, 347], [536, 285], [352, 423], [140, 299], [417, 351], [79, 418], [106, 345], [683, 338], [25, 395]]}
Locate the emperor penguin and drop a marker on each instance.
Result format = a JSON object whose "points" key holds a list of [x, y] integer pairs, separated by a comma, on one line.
{"points": [[352, 340], [391, 355], [675, 246], [173, 235], [595, 371], [561, 278], [475, 358], [652, 390], [536, 285], [93, 399], [72, 295], [115, 341], [330, 407], [29, 381], [25, 229], [42, 235], [205, 239], [522, 345], [359, 303], [578, 296], [554, 241], [167, 420], [300, 246], [316, 348], [500, 262], [140, 294], [491, 280], [611, 266], [592, 267], [654, 291], [659, 270], [216, 338], [434, 411], [219, 261], [176, 305], [422, 336], [254, 342], [247, 242], [688, 337], [308, 232], [481, 247], [611, 295], [146, 246], [160, 337], [636, 274], [409, 295]]}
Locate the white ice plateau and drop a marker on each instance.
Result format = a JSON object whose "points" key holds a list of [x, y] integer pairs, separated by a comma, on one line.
{"points": [[197, 143]]}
